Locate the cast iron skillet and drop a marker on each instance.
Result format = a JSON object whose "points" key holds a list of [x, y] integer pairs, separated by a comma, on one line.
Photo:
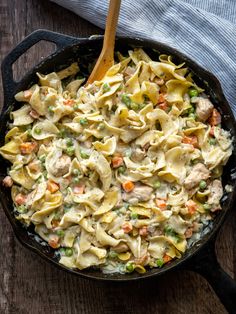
{"points": [[200, 257]]}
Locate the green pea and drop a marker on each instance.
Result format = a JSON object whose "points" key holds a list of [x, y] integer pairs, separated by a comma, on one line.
{"points": [[207, 207], [60, 233], [212, 141], [160, 262], [126, 100], [83, 121], [62, 133], [106, 87], [134, 215], [129, 267], [42, 158], [191, 110], [101, 126], [121, 169], [193, 92], [157, 185], [112, 254], [67, 206], [68, 251], [76, 180], [51, 109], [192, 116], [22, 209], [29, 132], [84, 155], [202, 184], [126, 205], [70, 151], [62, 250], [134, 106], [38, 131], [141, 106], [76, 172], [76, 107], [69, 142], [57, 216]]}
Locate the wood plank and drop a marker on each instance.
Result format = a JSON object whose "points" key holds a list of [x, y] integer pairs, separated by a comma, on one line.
{"points": [[29, 284]]}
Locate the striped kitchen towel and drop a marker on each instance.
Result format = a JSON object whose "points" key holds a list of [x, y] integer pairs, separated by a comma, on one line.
{"points": [[204, 30]]}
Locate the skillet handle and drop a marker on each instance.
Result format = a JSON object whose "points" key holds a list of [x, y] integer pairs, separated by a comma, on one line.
{"points": [[9, 85], [206, 264]]}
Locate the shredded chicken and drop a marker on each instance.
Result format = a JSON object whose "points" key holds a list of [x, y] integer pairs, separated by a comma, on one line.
{"points": [[216, 193], [61, 166], [199, 172], [203, 108], [138, 155], [121, 248], [141, 193]]}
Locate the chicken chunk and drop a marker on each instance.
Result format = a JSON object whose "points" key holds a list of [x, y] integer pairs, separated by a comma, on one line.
{"points": [[141, 193], [7, 181], [204, 108], [62, 166], [216, 193], [199, 172], [138, 155], [121, 248]]}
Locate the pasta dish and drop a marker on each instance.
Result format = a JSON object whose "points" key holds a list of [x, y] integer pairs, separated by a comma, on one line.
{"points": [[122, 174]]}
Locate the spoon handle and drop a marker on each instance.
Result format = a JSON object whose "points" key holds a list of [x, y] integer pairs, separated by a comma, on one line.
{"points": [[106, 58]]}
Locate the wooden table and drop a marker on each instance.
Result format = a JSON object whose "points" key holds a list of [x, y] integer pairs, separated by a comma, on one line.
{"points": [[30, 285]]}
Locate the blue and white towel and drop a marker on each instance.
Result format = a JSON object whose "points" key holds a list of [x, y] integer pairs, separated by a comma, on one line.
{"points": [[205, 30]]}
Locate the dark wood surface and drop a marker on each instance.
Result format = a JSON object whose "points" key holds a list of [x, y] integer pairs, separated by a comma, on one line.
{"points": [[30, 285]]}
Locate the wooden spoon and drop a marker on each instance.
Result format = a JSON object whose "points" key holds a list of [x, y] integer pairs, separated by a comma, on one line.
{"points": [[106, 58]]}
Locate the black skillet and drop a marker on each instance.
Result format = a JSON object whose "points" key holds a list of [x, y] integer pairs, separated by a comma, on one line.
{"points": [[200, 257]]}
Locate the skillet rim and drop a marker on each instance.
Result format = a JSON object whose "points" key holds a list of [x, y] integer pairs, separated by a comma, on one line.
{"points": [[204, 240]]}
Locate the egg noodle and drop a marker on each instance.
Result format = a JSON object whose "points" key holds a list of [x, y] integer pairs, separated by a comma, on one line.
{"points": [[120, 174]]}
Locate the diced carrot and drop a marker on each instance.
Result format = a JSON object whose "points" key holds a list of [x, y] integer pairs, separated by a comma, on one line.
{"points": [[143, 231], [69, 102], [128, 186], [161, 98], [163, 106], [191, 206], [117, 161], [188, 233], [28, 147], [127, 227], [34, 166], [79, 189], [53, 242], [52, 186], [20, 199], [160, 203], [34, 114], [7, 181], [191, 139], [55, 223], [166, 258], [212, 131], [215, 118], [27, 94]]}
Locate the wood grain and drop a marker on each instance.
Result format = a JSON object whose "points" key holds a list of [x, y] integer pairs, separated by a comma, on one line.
{"points": [[30, 285]]}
